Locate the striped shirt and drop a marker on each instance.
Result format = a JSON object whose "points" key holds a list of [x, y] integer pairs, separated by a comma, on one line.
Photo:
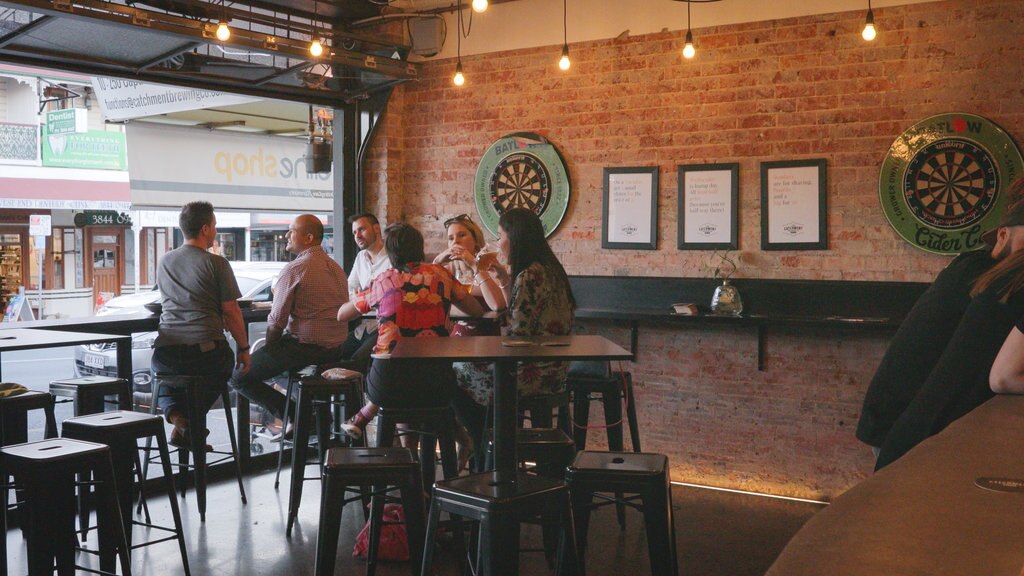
{"points": [[308, 293]]}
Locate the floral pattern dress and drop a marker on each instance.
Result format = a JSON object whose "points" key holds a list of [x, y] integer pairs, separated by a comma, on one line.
{"points": [[539, 307]]}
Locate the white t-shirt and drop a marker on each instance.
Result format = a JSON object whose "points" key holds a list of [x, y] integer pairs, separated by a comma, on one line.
{"points": [[363, 272]]}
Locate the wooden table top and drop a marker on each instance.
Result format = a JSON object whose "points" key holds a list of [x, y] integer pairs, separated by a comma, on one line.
{"points": [[496, 348], [925, 514]]}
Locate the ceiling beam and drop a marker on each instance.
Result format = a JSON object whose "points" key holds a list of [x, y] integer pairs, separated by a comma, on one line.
{"points": [[33, 25]]}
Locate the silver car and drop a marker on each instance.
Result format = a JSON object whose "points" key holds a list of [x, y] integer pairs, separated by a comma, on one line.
{"points": [[255, 280]]}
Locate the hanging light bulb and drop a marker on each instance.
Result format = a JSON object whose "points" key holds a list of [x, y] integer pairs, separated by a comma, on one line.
{"points": [[479, 5], [564, 63], [869, 31], [458, 79], [316, 48], [223, 32], [688, 50]]}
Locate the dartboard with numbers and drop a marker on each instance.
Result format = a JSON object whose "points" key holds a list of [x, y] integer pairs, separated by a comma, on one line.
{"points": [[951, 183], [522, 170]]}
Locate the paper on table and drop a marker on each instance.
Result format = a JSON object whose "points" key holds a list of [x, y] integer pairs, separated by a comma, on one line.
{"points": [[516, 343]]}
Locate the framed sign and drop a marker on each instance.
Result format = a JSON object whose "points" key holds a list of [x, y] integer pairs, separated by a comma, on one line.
{"points": [[793, 205], [708, 206], [630, 216]]}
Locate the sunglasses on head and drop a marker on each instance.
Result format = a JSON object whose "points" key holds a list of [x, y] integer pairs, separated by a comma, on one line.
{"points": [[459, 218]]}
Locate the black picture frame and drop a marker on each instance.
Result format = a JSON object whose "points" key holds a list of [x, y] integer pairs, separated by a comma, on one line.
{"points": [[625, 213], [774, 226], [686, 220]]}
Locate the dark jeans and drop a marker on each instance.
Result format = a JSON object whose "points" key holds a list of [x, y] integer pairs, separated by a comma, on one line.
{"points": [[358, 350], [189, 360], [410, 383], [285, 354]]}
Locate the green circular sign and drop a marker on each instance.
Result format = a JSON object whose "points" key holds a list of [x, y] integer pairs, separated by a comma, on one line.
{"points": [[942, 182], [522, 170]]}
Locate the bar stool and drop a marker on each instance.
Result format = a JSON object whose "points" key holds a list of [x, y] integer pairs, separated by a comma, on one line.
{"points": [[434, 425], [643, 474], [121, 431], [351, 397], [46, 469], [194, 386], [315, 396], [386, 469], [499, 507], [89, 393], [542, 408]]}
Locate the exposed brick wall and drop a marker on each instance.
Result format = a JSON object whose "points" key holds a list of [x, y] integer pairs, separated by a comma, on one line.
{"points": [[805, 87]]}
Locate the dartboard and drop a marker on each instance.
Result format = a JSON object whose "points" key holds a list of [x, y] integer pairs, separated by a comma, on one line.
{"points": [[950, 183], [521, 170], [520, 181]]}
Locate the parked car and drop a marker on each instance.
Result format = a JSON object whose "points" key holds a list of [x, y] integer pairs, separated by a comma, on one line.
{"points": [[255, 280]]}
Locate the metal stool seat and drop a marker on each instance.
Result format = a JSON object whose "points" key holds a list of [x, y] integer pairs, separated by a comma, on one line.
{"points": [[499, 507], [121, 431], [193, 386], [349, 469], [89, 393], [643, 474], [46, 470]]}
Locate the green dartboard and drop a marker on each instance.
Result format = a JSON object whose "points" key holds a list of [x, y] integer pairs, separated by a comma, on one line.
{"points": [[942, 182], [522, 170]]}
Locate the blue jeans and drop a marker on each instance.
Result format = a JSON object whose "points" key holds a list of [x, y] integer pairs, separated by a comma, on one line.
{"points": [[286, 353], [190, 360]]}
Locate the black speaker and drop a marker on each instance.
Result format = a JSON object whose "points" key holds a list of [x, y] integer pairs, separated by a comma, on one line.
{"points": [[318, 156]]}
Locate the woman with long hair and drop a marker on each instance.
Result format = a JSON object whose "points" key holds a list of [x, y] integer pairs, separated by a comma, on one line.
{"points": [[412, 299], [466, 259], [541, 303], [1007, 374], [959, 382]]}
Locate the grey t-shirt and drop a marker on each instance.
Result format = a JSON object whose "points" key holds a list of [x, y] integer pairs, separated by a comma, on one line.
{"points": [[194, 285]]}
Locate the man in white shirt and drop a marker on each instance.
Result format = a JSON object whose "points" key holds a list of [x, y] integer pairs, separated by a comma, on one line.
{"points": [[370, 261]]}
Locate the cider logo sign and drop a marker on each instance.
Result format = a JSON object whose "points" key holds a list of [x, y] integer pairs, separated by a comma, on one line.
{"points": [[941, 184], [234, 166]]}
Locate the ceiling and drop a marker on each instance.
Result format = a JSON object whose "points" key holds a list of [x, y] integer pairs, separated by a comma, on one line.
{"points": [[174, 42]]}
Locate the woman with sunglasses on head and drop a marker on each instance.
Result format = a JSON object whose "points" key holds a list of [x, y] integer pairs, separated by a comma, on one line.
{"points": [[467, 261], [541, 303]]}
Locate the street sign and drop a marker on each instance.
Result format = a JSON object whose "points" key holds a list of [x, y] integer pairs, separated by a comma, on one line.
{"points": [[102, 218], [39, 225], [67, 121]]}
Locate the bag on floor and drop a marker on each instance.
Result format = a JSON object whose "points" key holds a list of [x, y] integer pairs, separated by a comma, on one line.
{"points": [[394, 545]]}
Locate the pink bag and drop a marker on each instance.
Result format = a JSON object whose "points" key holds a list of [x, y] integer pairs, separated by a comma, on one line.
{"points": [[394, 545]]}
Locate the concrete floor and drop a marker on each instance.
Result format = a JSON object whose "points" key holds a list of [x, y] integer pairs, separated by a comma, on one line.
{"points": [[718, 533]]}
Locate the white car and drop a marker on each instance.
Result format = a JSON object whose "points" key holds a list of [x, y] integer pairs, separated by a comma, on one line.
{"points": [[255, 280]]}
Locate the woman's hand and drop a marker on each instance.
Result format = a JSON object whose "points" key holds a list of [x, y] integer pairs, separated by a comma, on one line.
{"points": [[499, 273], [443, 258]]}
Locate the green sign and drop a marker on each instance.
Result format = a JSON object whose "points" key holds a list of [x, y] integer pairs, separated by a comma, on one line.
{"points": [[942, 183], [102, 218], [96, 149], [69, 121]]}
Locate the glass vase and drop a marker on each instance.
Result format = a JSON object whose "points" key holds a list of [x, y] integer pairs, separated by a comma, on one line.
{"points": [[726, 301]]}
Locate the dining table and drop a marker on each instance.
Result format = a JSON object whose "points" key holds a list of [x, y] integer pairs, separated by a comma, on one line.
{"points": [[14, 339]]}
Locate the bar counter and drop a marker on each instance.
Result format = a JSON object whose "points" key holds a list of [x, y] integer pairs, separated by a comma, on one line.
{"points": [[925, 513]]}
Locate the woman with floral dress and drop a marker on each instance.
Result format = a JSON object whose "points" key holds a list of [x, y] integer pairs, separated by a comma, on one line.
{"points": [[540, 304]]}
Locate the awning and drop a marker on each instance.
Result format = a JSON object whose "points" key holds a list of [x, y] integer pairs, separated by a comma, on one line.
{"points": [[64, 189]]}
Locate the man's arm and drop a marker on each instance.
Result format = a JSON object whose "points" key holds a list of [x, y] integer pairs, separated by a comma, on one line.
{"points": [[1007, 375], [236, 326]]}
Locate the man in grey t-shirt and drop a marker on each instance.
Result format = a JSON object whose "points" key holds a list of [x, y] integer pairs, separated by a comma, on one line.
{"points": [[199, 301]]}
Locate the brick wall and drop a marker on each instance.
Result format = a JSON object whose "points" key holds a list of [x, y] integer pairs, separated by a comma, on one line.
{"points": [[806, 87]]}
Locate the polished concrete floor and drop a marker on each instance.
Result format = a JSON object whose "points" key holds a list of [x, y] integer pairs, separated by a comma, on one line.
{"points": [[718, 533]]}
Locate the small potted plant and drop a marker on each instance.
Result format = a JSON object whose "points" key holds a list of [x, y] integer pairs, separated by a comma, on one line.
{"points": [[726, 300]]}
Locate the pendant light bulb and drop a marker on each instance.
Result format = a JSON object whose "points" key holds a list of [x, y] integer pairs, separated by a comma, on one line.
{"points": [[869, 31], [479, 5], [458, 79], [564, 63], [688, 50], [316, 48], [223, 32]]}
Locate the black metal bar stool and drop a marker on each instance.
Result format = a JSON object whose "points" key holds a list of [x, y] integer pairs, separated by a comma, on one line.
{"points": [[500, 507], [89, 393], [46, 470], [196, 415], [387, 469], [434, 425], [121, 431], [542, 409], [633, 473], [315, 397], [351, 399]]}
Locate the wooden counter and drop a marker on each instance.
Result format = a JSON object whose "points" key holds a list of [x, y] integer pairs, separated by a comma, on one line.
{"points": [[924, 514]]}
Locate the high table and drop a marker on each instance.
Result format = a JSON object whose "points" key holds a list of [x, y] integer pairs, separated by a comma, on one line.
{"points": [[31, 339], [497, 349]]}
